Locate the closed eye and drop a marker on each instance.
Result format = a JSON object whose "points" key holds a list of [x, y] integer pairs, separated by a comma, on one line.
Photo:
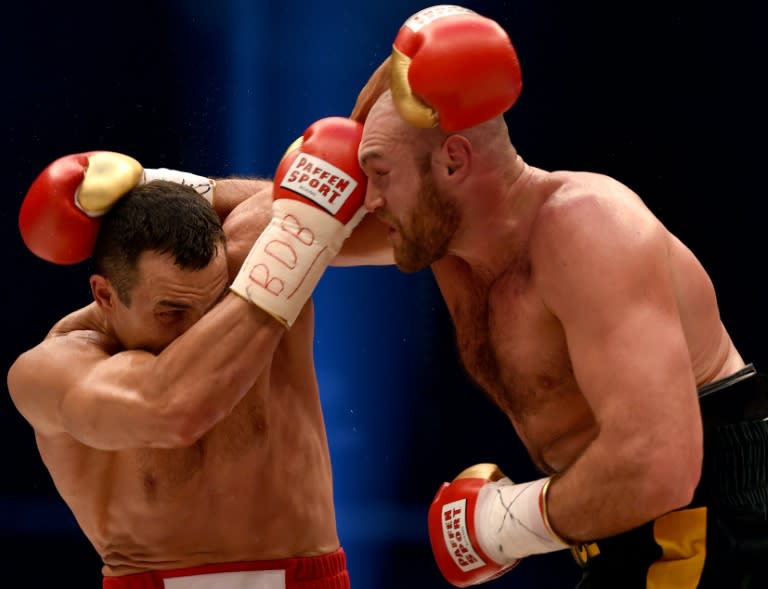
{"points": [[170, 316], [377, 177]]}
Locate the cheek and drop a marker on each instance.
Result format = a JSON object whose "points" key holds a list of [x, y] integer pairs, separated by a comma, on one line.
{"points": [[402, 197]]}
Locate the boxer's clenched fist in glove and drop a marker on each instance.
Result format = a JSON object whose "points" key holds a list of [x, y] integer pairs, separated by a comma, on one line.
{"points": [[319, 191], [481, 524], [454, 68], [60, 215]]}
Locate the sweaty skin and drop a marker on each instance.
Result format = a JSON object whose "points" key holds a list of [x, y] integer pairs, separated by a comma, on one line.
{"points": [[210, 448], [586, 321]]}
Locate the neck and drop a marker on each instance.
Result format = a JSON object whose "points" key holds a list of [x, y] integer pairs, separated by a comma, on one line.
{"points": [[495, 233]]}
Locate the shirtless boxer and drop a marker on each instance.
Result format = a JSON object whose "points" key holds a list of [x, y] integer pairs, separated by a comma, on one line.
{"points": [[588, 323], [178, 417]]}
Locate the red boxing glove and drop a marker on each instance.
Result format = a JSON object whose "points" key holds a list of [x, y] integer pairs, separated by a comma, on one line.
{"points": [[452, 530], [319, 195], [321, 169], [454, 68], [482, 524], [60, 215]]}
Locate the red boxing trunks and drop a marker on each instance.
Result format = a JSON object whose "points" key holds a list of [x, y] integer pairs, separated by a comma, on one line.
{"points": [[315, 572]]}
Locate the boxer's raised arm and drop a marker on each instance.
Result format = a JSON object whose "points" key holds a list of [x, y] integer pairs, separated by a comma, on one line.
{"points": [[76, 383]]}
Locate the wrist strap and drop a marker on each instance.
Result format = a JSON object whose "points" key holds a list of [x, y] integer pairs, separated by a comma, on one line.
{"points": [[202, 185], [509, 521]]}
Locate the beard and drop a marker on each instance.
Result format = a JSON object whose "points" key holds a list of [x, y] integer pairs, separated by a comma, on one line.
{"points": [[428, 229]]}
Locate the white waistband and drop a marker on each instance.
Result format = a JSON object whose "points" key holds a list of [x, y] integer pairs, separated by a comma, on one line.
{"points": [[272, 579]]}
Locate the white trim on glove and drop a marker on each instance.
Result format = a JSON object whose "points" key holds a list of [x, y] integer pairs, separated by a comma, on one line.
{"points": [[202, 185]]}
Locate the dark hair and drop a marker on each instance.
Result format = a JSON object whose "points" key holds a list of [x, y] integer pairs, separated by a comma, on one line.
{"points": [[159, 216]]}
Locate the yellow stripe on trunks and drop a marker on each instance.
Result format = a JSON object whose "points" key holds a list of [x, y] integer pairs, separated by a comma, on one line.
{"points": [[682, 537]]}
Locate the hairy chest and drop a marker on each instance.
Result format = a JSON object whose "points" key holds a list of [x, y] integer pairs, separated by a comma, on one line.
{"points": [[509, 343]]}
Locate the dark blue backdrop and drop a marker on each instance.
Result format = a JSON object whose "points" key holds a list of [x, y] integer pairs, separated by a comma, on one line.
{"points": [[666, 97]]}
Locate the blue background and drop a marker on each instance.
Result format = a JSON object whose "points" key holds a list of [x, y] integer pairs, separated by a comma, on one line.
{"points": [[667, 97]]}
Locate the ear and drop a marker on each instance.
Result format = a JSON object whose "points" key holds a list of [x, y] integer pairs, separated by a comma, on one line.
{"points": [[456, 158], [103, 293]]}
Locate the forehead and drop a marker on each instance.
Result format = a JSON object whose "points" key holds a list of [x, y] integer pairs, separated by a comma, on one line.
{"points": [[158, 272], [384, 133]]}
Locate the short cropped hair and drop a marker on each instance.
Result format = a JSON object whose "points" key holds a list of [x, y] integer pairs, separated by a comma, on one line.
{"points": [[160, 216]]}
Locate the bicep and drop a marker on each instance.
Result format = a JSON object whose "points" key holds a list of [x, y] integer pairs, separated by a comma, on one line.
{"points": [[41, 379], [613, 295], [630, 358], [232, 192], [68, 384]]}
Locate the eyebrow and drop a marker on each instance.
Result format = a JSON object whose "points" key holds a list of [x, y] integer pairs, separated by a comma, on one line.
{"points": [[369, 155], [184, 306], [172, 304]]}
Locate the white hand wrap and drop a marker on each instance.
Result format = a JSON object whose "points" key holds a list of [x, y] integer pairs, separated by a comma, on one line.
{"points": [[288, 259], [204, 186], [509, 523]]}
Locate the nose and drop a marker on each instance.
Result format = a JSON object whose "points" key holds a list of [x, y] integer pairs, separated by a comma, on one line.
{"points": [[373, 200]]}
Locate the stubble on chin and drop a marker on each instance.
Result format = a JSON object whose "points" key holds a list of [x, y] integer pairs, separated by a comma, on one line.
{"points": [[425, 238]]}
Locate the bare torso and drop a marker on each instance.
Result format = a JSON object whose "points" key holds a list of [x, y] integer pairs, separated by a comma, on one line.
{"points": [[516, 350], [256, 486]]}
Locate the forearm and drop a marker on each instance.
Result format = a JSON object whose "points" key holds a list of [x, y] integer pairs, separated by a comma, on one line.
{"points": [[230, 192], [367, 246], [200, 377], [137, 399], [612, 488]]}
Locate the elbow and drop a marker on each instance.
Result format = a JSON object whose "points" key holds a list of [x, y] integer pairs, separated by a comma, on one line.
{"points": [[672, 476]]}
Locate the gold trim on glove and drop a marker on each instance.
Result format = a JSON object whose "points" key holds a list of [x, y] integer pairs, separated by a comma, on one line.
{"points": [[485, 471], [545, 513], [413, 110]]}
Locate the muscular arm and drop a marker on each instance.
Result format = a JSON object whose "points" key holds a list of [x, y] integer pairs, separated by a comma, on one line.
{"points": [[75, 383], [231, 192], [368, 245], [251, 202], [602, 268], [244, 205], [249, 198], [375, 86]]}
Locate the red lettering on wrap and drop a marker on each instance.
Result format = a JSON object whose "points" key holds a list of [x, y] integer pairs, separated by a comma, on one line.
{"points": [[290, 224], [259, 275], [282, 252]]}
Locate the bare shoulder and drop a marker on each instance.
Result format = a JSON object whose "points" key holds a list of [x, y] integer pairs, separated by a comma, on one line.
{"points": [[40, 377], [591, 225], [586, 205], [573, 185], [86, 318], [72, 340]]}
